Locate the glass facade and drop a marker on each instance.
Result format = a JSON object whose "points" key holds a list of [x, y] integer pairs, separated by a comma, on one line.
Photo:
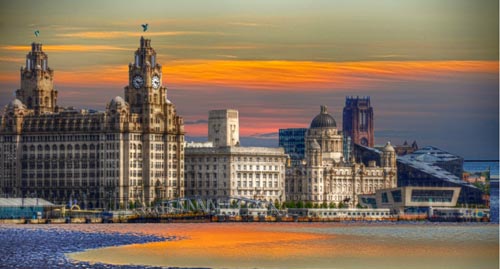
{"points": [[396, 196], [293, 141], [437, 196]]}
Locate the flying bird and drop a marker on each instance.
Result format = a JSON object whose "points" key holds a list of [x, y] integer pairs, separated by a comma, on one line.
{"points": [[144, 27], [37, 33]]}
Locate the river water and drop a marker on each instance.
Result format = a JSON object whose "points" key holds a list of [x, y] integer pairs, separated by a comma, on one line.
{"points": [[304, 245]]}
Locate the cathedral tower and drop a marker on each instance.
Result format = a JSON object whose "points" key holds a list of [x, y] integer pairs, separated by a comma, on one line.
{"points": [[358, 120], [37, 82]]}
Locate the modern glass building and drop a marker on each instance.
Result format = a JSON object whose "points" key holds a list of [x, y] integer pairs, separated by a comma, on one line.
{"points": [[292, 140]]}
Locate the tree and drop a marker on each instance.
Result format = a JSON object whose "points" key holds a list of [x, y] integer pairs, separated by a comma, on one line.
{"points": [[341, 205], [324, 205], [333, 205], [277, 204], [309, 204], [300, 204]]}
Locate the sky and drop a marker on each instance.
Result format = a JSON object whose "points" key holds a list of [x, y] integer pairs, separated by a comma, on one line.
{"points": [[431, 67]]}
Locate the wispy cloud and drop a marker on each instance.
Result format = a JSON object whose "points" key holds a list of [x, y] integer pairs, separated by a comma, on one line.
{"points": [[11, 60], [272, 135], [227, 56], [287, 76], [248, 24], [195, 122], [300, 75], [66, 48], [124, 34]]}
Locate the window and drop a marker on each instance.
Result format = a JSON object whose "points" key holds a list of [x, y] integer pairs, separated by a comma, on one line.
{"points": [[431, 195], [384, 198], [396, 196]]}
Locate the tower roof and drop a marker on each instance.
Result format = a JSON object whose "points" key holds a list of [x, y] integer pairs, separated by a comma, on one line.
{"points": [[323, 120], [388, 147]]}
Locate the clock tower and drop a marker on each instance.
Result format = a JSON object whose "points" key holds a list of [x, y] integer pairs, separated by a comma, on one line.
{"points": [[145, 92], [37, 82]]}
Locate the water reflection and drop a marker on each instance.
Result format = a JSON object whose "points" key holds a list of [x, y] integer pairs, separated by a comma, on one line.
{"points": [[289, 245]]}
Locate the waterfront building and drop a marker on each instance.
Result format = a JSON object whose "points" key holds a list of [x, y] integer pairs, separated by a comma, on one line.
{"points": [[412, 198], [292, 140], [440, 158], [439, 203], [325, 177], [357, 120], [222, 167], [130, 153], [422, 170], [27, 208]]}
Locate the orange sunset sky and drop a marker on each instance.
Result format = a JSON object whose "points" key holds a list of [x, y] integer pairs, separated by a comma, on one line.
{"points": [[430, 66]]}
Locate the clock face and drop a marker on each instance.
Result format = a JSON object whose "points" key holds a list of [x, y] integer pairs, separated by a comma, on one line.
{"points": [[155, 81], [137, 81]]}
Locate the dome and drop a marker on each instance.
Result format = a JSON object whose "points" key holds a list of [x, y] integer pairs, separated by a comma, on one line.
{"points": [[16, 103], [118, 101], [388, 147], [323, 120]]}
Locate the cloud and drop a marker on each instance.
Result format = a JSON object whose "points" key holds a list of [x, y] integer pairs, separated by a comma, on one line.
{"points": [[195, 122], [248, 24], [272, 135], [11, 60], [68, 48], [308, 75], [122, 34]]}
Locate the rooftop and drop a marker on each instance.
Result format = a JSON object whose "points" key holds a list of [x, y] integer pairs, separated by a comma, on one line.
{"points": [[18, 202], [432, 154]]}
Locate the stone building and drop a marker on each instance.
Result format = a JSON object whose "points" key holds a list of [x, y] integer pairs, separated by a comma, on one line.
{"points": [[357, 120], [325, 177], [131, 152], [221, 167]]}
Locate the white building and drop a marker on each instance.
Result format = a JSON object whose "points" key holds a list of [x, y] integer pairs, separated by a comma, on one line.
{"points": [[223, 168]]}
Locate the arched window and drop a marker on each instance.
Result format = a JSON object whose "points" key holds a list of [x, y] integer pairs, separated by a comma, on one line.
{"points": [[39, 148], [84, 147]]}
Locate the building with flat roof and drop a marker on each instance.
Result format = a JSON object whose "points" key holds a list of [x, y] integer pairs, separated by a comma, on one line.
{"points": [[405, 199], [292, 140], [222, 167]]}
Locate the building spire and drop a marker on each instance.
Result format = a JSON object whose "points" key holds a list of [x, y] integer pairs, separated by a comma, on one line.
{"points": [[324, 109]]}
